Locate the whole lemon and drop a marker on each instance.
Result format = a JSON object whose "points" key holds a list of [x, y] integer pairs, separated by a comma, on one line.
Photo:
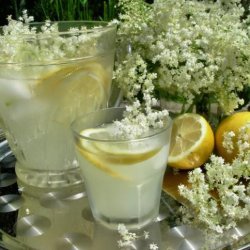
{"points": [[232, 123]]}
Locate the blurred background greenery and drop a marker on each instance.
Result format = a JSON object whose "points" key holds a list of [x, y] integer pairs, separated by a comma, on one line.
{"points": [[66, 9], [60, 9]]}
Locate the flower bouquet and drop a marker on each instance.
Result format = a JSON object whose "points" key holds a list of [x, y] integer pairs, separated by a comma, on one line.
{"points": [[195, 54]]}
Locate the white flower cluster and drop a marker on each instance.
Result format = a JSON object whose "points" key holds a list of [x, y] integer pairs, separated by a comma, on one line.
{"points": [[220, 195], [194, 48], [139, 89], [137, 123], [228, 141], [128, 238], [24, 42], [242, 140]]}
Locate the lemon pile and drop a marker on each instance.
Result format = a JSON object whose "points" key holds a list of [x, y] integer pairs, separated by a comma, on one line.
{"points": [[193, 139]]}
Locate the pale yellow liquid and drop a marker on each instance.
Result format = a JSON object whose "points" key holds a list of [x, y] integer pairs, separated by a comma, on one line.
{"points": [[124, 185], [37, 106]]}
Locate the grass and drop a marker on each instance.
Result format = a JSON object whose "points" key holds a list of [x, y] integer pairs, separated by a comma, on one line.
{"points": [[57, 10]]}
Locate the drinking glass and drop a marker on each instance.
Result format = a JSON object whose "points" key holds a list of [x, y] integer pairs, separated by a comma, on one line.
{"points": [[40, 99], [123, 177]]}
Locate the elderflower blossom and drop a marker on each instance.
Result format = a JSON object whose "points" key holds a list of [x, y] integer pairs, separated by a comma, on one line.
{"points": [[24, 42], [139, 116], [228, 141], [220, 195], [153, 246], [194, 48], [243, 139], [243, 142], [128, 238]]}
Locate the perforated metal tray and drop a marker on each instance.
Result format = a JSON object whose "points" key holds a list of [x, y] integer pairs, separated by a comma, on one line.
{"points": [[58, 219]]}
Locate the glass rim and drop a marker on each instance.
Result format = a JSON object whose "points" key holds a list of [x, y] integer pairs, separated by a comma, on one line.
{"points": [[119, 140], [54, 62], [104, 26]]}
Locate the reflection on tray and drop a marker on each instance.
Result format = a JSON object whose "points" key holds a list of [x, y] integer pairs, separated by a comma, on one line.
{"points": [[35, 218], [5, 151], [172, 180], [2, 136]]}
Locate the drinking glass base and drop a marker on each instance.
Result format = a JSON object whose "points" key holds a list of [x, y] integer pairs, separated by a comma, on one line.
{"points": [[49, 179], [130, 223]]}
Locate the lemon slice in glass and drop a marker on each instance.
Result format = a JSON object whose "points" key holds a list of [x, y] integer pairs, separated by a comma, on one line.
{"points": [[84, 93], [75, 90], [118, 151], [95, 160], [96, 70], [92, 154]]}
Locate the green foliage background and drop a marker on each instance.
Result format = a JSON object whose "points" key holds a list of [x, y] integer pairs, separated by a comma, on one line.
{"points": [[66, 9], [59, 9]]}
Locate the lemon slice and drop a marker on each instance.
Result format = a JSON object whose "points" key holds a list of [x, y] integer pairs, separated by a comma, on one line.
{"points": [[192, 141], [75, 90], [101, 133], [97, 162], [105, 152], [84, 93], [61, 78], [119, 152], [97, 71], [48, 84]]}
